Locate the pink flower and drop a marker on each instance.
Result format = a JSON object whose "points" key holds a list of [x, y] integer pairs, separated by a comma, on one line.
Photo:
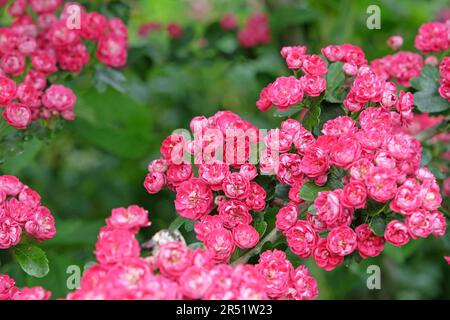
{"points": [[236, 186], [245, 236], [314, 65], [304, 285], [369, 244], [234, 212], [172, 148], [420, 224], [112, 50], [346, 151], [116, 244], [7, 287], [432, 37], [93, 25], [289, 170], [17, 115], [154, 182], [328, 206], [324, 258], [249, 171], [313, 85], [342, 240], [10, 232], [13, 63], [220, 244], [286, 218], [10, 185], [175, 30], [206, 225], [395, 42], [7, 90], [294, 56], [285, 92], [195, 282], [354, 195], [59, 98], [381, 184], [173, 259], [439, 223], [41, 225], [228, 22], [132, 218], [302, 238], [264, 103], [44, 61], [396, 233], [177, 174], [275, 270], [34, 293], [406, 199], [256, 199], [339, 126], [194, 199]]}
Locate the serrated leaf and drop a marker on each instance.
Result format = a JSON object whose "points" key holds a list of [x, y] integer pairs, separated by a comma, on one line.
{"points": [[32, 260], [427, 98], [430, 102], [378, 225], [374, 208], [335, 78], [309, 191], [312, 118]]}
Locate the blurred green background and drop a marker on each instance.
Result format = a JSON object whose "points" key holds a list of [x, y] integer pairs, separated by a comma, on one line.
{"points": [[98, 161]]}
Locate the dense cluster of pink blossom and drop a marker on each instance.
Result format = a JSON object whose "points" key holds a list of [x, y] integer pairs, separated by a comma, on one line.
{"points": [[8, 291], [255, 32], [51, 44], [231, 189], [433, 37], [178, 272], [20, 208]]}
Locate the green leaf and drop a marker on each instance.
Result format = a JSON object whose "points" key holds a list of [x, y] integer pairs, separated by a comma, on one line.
{"points": [[427, 81], [378, 225], [312, 118], [335, 78], [430, 102], [177, 223], [32, 259], [309, 191], [261, 227], [189, 225], [427, 98], [374, 208], [287, 113], [426, 157], [437, 173]]}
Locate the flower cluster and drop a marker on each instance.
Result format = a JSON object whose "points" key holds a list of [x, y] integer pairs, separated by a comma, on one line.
{"points": [[228, 186], [286, 92], [50, 44], [177, 272], [20, 208], [433, 37], [444, 70], [9, 291], [255, 32]]}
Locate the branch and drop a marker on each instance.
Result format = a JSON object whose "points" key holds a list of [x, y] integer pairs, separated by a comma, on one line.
{"points": [[272, 237]]}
